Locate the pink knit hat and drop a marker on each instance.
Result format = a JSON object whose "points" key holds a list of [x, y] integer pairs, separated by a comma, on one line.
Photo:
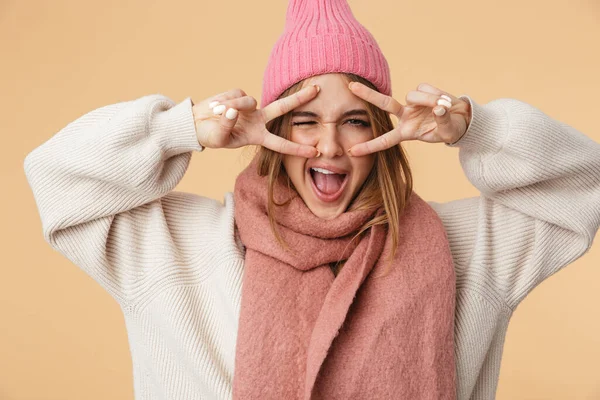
{"points": [[322, 36]]}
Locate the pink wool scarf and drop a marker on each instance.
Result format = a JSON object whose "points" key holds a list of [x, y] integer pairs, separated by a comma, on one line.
{"points": [[305, 334]]}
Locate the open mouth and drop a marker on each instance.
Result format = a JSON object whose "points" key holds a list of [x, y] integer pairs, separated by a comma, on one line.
{"points": [[327, 187]]}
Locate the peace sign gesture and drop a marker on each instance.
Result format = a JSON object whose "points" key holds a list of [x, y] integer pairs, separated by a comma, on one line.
{"points": [[243, 124], [417, 120]]}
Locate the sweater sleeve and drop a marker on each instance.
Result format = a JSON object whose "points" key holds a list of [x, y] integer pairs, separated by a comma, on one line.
{"points": [[101, 185], [539, 203]]}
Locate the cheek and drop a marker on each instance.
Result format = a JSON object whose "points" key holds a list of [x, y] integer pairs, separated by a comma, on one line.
{"points": [[294, 166], [363, 166], [364, 135], [357, 136], [298, 136]]}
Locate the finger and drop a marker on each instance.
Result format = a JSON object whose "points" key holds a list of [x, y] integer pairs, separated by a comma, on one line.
{"points": [[230, 94], [427, 88], [288, 103], [441, 114], [429, 100], [228, 120], [440, 101], [381, 100], [244, 103], [416, 97], [383, 142], [221, 136], [284, 146]]}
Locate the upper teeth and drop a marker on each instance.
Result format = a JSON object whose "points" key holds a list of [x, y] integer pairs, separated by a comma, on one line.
{"points": [[323, 170]]}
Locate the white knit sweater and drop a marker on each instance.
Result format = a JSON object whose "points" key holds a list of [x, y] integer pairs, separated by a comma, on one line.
{"points": [[104, 187]]}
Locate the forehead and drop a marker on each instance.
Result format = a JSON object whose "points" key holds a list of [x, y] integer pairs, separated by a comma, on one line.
{"points": [[333, 99]]}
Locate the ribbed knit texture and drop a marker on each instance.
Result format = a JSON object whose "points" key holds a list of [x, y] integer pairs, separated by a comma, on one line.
{"points": [[104, 187], [322, 36]]}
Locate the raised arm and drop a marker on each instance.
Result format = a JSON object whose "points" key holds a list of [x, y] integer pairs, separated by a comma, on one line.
{"points": [[100, 185], [104, 184], [539, 208]]}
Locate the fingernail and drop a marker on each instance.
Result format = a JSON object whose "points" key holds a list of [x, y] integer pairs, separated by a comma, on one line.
{"points": [[212, 104], [349, 151], [439, 111], [443, 96], [318, 153], [444, 102], [350, 85], [219, 109], [318, 88], [231, 113]]}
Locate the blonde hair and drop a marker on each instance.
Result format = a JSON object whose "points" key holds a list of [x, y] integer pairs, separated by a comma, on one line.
{"points": [[389, 182]]}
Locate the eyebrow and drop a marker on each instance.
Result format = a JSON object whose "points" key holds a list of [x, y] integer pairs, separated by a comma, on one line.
{"points": [[346, 114]]}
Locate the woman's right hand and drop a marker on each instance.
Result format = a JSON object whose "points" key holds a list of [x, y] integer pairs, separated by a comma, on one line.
{"points": [[247, 123]]}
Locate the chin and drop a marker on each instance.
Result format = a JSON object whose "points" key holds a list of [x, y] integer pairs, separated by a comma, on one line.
{"points": [[327, 213], [324, 210]]}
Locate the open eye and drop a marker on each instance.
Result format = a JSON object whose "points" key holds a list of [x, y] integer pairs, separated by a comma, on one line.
{"points": [[359, 122]]}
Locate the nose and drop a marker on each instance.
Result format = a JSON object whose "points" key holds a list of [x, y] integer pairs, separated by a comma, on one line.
{"points": [[329, 143]]}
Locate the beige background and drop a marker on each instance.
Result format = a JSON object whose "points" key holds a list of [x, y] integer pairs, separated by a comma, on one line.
{"points": [[63, 337]]}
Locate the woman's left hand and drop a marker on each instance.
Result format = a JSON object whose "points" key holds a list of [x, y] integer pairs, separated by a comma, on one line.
{"points": [[417, 120]]}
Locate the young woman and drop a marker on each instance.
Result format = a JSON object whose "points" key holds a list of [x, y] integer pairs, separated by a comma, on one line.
{"points": [[323, 275]]}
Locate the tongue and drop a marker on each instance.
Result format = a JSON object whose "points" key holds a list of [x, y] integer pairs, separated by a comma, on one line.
{"points": [[328, 183]]}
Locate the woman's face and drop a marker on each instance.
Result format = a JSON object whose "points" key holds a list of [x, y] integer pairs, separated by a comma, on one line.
{"points": [[321, 123]]}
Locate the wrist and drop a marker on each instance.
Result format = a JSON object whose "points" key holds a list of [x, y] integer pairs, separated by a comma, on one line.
{"points": [[468, 116], [197, 120]]}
